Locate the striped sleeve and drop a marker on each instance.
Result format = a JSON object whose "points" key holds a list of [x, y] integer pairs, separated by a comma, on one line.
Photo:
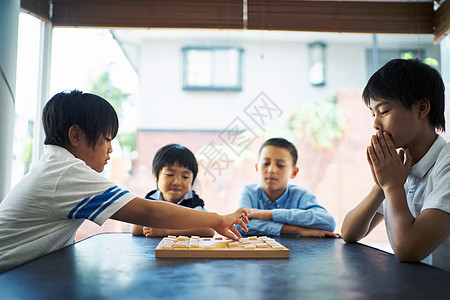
{"points": [[90, 207]]}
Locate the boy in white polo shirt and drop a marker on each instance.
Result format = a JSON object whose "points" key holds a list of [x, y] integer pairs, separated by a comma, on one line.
{"points": [[43, 211], [412, 187]]}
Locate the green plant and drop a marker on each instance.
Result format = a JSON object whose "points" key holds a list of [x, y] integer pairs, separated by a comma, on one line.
{"points": [[103, 87], [27, 155], [432, 62], [320, 122], [128, 140]]}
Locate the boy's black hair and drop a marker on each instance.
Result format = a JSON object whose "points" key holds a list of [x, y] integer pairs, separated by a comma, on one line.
{"points": [[282, 143], [172, 153], [93, 114], [408, 81]]}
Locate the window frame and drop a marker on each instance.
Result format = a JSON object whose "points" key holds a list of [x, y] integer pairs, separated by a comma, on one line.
{"points": [[213, 86]]}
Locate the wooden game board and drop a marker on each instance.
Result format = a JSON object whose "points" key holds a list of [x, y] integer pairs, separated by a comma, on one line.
{"points": [[220, 247]]}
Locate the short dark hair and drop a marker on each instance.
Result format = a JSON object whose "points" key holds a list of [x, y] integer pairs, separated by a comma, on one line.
{"points": [[282, 143], [171, 154], [408, 81], [93, 114]]}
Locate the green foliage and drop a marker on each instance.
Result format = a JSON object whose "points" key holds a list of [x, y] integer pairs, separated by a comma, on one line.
{"points": [[320, 122], [429, 60], [407, 55], [27, 155], [128, 140], [103, 87]]}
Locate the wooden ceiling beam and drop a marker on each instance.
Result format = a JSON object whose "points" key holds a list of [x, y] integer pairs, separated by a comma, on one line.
{"points": [[297, 15], [442, 21], [342, 16], [37, 8], [225, 14]]}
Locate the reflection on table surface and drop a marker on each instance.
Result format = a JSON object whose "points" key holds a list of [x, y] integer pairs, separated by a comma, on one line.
{"points": [[118, 265]]}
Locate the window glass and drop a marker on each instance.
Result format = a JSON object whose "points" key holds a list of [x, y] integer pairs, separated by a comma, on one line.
{"points": [[212, 68], [26, 95]]}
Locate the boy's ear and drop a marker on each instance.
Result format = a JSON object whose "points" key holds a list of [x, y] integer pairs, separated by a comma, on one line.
{"points": [[256, 167], [423, 107], [74, 135], [294, 173]]}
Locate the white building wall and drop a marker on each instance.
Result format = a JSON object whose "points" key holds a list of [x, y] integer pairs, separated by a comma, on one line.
{"points": [[276, 66]]}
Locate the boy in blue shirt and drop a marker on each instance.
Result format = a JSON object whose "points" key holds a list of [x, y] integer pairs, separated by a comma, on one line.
{"points": [[278, 208], [42, 213], [411, 189]]}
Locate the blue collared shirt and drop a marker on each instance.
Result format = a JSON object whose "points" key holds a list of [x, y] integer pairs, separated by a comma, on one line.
{"points": [[297, 206]]}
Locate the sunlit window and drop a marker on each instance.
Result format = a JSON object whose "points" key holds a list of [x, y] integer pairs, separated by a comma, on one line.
{"points": [[216, 68], [26, 95]]}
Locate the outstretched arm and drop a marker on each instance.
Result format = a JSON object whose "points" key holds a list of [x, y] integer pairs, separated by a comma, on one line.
{"points": [[160, 214], [139, 230]]}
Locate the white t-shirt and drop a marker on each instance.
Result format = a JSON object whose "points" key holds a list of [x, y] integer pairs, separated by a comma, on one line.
{"points": [[428, 186], [43, 211]]}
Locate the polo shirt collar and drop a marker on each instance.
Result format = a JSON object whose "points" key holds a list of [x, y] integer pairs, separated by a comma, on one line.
{"points": [[426, 163], [57, 150]]}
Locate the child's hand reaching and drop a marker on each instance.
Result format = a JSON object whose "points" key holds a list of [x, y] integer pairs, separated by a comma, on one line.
{"points": [[226, 223]]}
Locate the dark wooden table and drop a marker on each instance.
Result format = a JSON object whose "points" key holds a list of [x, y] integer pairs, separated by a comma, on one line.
{"points": [[120, 266]]}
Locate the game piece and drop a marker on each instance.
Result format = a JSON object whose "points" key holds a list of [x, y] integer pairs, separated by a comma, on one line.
{"points": [[278, 247], [219, 247], [245, 241], [180, 245]]}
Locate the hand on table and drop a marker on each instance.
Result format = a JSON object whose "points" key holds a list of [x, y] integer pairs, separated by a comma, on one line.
{"points": [[151, 232]]}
